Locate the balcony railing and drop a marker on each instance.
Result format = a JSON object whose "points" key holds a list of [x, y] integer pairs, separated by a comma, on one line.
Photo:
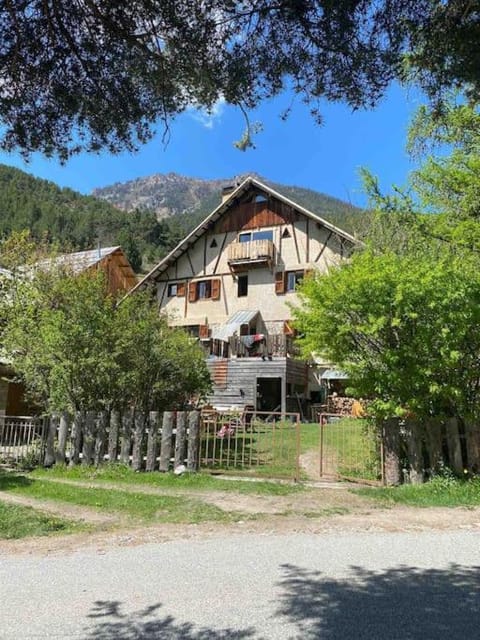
{"points": [[256, 252], [274, 346]]}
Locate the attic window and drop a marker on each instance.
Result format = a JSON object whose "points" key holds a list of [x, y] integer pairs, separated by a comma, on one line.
{"points": [[260, 198], [286, 233], [213, 244]]}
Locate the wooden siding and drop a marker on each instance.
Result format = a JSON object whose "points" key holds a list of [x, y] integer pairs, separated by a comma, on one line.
{"points": [[253, 215], [237, 378], [120, 275]]}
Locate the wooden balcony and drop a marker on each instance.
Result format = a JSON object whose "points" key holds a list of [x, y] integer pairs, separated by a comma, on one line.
{"points": [[246, 255], [274, 346]]}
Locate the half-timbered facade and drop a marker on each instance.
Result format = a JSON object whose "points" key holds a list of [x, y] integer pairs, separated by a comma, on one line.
{"points": [[231, 283]]}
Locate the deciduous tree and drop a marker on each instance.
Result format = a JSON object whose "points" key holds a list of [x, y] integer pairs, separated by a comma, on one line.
{"points": [[92, 75]]}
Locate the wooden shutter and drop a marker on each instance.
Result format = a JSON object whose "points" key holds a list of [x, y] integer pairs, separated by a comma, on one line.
{"points": [[288, 330], [192, 291], [280, 282], [203, 332], [216, 287], [181, 290]]}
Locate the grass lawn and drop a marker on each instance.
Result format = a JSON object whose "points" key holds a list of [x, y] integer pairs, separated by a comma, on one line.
{"points": [[439, 492], [349, 449], [20, 522], [188, 482], [140, 506]]}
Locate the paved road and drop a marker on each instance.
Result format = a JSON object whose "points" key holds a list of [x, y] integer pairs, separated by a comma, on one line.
{"points": [[345, 587]]}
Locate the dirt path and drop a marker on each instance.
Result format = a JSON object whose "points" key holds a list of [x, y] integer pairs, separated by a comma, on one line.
{"points": [[313, 511]]}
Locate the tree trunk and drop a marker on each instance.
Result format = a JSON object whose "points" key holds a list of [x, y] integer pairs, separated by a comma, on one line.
{"points": [[62, 438], [139, 432], [433, 440], [152, 442], [101, 438], [77, 434], [127, 419], [49, 457], [391, 444], [88, 438], [415, 432], [181, 439], [454, 446], [115, 420], [167, 434], [472, 437], [193, 455]]}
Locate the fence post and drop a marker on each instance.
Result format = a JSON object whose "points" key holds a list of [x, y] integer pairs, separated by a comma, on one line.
{"points": [[62, 437], [433, 438], [391, 442], [193, 458], [181, 439], [414, 433], [126, 444], [115, 419], [100, 440], [454, 447], [152, 442], [166, 448], [88, 438], [77, 436], [49, 458], [472, 441], [138, 434]]}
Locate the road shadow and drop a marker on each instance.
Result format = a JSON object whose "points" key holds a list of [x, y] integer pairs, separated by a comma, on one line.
{"points": [[404, 603], [111, 623]]}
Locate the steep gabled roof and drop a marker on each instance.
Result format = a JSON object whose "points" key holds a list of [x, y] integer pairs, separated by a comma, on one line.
{"points": [[217, 213]]}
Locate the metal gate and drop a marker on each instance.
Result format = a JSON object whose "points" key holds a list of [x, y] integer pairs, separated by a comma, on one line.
{"points": [[256, 443], [21, 437], [350, 448]]}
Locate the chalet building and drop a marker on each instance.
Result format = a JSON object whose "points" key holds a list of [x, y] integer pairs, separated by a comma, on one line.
{"points": [[120, 277], [231, 283]]}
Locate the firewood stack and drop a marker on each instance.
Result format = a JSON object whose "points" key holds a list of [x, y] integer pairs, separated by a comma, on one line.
{"points": [[339, 405]]}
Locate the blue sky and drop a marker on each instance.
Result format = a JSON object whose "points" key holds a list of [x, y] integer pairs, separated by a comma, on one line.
{"points": [[298, 151]]}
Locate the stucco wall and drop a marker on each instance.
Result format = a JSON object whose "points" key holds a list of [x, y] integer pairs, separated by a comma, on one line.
{"points": [[309, 246]]}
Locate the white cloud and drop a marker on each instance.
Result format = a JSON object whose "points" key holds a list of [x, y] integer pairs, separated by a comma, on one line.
{"points": [[208, 117]]}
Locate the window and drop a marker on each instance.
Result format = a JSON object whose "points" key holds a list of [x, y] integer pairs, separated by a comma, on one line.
{"points": [[287, 281], [248, 236], [204, 289], [176, 289], [293, 278], [242, 286]]}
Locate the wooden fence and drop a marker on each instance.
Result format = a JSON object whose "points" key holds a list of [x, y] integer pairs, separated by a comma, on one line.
{"points": [[150, 441], [414, 451]]}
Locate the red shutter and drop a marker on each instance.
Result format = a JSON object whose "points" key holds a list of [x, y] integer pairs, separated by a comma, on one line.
{"points": [[203, 332], [288, 330], [192, 291], [280, 282], [216, 286], [181, 290]]}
